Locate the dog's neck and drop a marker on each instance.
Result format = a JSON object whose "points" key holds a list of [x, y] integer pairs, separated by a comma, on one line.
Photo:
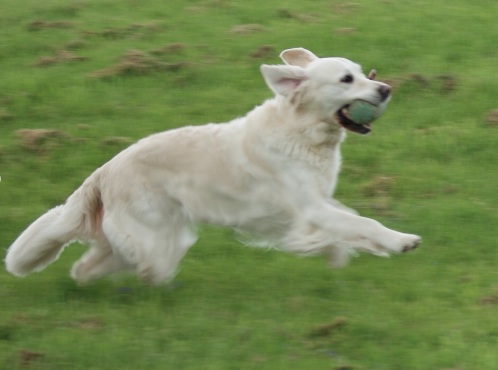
{"points": [[304, 139]]}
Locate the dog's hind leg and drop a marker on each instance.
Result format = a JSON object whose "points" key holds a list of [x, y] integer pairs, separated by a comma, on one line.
{"points": [[153, 245], [162, 253], [99, 261]]}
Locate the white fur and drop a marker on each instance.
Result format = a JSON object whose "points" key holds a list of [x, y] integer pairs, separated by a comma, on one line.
{"points": [[269, 174]]}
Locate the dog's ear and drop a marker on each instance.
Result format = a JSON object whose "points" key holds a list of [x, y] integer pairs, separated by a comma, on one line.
{"points": [[298, 57], [282, 80]]}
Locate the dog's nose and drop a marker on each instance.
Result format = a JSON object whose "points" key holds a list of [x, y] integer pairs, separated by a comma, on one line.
{"points": [[384, 91]]}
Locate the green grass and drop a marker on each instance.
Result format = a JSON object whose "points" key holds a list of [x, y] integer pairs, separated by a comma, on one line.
{"points": [[429, 167]]}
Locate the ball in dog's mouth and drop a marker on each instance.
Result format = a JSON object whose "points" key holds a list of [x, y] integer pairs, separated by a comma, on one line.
{"points": [[358, 116]]}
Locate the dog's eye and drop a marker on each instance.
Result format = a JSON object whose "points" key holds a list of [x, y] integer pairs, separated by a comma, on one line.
{"points": [[347, 79]]}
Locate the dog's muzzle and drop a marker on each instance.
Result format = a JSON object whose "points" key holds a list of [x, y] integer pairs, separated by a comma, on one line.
{"points": [[358, 115]]}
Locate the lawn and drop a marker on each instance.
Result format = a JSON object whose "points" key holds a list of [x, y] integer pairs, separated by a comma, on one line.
{"points": [[82, 79]]}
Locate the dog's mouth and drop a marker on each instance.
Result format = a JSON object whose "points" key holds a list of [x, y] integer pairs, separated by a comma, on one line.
{"points": [[342, 117], [358, 115]]}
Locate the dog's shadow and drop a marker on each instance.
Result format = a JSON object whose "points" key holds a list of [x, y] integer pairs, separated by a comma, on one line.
{"points": [[118, 290]]}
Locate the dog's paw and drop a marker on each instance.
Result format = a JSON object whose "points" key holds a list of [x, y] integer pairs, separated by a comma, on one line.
{"points": [[401, 243], [411, 243], [405, 243]]}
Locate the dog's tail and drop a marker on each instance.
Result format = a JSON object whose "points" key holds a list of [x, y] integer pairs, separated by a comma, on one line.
{"points": [[44, 240]]}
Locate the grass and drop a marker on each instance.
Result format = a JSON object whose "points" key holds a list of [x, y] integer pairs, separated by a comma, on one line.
{"points": [[427, 168]]}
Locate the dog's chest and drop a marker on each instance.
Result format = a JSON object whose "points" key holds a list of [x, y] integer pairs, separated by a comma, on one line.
{"points": [[327, 173], [315, 173]]}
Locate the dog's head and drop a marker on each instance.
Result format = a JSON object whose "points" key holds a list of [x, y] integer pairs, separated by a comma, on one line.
{"points": [[326, 87]]}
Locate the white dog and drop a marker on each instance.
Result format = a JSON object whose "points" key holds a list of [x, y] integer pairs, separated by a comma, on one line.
{"points": [[269, 174]]}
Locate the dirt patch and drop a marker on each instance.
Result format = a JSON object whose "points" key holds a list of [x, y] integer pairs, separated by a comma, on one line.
{"points": [[61, 56], [38, 140], [173, 48], [443, 83], [27, 357], [378, 192], [379, 186], [133, 30], [137, 62], [324, 330], [447, 83], [246, 29], [116, 141], [345, 8], [289, 14], [89, 323], [345, 31], [417, 80], [491, 118], [491, 299], [40, 25], [75, 44], [5, 115], [262, 52]]}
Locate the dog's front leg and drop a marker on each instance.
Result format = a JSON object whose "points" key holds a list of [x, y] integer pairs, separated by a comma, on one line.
{"points": [[328, 228]]}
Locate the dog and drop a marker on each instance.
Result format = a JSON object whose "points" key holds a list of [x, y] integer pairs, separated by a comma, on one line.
{"points": [[270, 174]]}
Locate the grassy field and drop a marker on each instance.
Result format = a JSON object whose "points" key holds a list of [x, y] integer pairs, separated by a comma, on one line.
{"points": [[81, 80]]}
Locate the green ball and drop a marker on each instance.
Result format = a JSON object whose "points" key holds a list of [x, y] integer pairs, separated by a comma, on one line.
{"points": [[363, 112]]}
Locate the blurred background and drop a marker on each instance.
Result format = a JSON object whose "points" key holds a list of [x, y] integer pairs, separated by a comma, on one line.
{"points": [[82, 80]]}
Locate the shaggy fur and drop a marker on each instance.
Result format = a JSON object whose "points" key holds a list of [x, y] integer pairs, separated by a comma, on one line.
{"points": [[269, 174]]}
